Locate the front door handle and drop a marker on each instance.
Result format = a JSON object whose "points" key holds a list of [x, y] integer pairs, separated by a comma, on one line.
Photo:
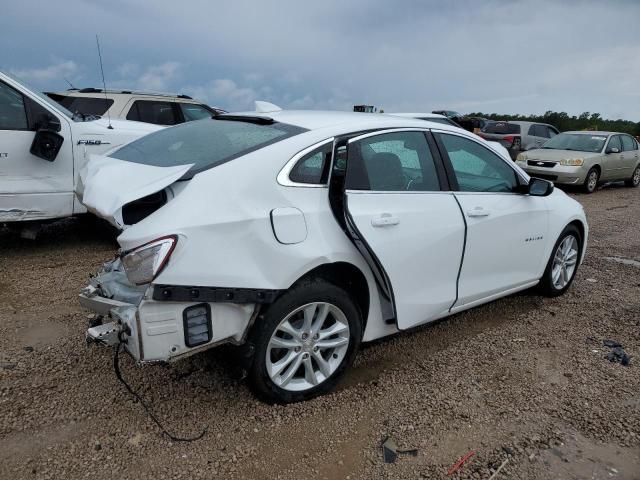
{"points": [[478, 212], [385, 220]]}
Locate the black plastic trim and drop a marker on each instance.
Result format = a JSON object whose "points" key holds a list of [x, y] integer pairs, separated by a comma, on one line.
{"points": [[184, 293], [464, 249], [207, 307]]}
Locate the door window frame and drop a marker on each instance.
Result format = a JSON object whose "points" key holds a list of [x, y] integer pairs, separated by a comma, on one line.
{"points": [[451, 174]]}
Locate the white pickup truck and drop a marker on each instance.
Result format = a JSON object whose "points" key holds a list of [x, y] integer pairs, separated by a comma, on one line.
{"points": [[43, 146]]}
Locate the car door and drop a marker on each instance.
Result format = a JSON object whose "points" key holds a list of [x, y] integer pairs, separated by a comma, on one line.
{"points": [[399, 214], [630, 156], [613, 164], [31, 188], [506, 230]]}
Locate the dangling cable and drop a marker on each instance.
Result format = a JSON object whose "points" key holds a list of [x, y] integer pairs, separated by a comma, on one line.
{"points": [[138, 398]]}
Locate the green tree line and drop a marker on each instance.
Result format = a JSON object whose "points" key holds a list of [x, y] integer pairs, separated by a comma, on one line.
{"points": [[563, 122]]}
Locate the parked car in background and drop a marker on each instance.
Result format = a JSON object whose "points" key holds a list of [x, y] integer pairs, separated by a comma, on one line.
{"points": [[473, 124], [448, 113], [518, 136], [161, 109], [329, 229], [431, 117], [43, 146], [585, 158]]}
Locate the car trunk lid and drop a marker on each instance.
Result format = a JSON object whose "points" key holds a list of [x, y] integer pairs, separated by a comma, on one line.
{"points": [[106, 185]]}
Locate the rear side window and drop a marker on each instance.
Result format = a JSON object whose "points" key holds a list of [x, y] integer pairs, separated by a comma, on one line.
{"points": [[313, 168], [206, 144], [392, 162], [149, 111], [13, 115], [501, 128], [191, 111], [628, 143], [84, 105]]}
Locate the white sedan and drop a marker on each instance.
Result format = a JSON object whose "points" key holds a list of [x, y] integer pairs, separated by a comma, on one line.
{"points": [[297, 235]]}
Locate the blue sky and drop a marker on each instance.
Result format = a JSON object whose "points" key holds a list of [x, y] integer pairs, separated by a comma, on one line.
{"points": [[402, 55]]}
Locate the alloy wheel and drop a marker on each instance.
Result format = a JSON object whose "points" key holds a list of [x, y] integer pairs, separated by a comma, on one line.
{"points": [[592, 181], [564, 262], [636, 177], [307, 346]]}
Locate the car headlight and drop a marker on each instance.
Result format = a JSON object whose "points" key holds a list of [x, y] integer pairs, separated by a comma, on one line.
{"points": [[521, 157], [572, 162], [144, 263]]}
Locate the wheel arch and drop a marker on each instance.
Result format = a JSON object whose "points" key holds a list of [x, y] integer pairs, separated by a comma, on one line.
{"points": [[346, 276]]}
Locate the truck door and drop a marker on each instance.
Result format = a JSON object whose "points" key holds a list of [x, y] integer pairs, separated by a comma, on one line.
{"points": [[31, 187], [400, 215]]}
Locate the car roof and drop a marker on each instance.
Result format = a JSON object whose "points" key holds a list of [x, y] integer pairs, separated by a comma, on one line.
{"points": [[592, 132], [418, 114], [92, 91], [317, 119]]}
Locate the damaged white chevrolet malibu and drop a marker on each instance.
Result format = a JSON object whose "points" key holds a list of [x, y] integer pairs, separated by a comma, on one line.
{"points": [[299, 235]]}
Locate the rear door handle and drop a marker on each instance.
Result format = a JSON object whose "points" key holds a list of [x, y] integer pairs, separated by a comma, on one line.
{"points": [[478, 212], [385, 220]]}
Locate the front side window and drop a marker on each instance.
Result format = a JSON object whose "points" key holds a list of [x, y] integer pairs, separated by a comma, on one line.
{"points": [[313, 168], [628, 143], [396, 162], [615, 142], [192, 111], [206, 144], [151, 111], [477, 169], [551, 132], [13, 115]]}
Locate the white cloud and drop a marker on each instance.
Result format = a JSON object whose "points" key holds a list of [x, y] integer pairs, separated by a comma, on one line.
{"points": [[226, 93], [158, 78], [56, 71]]}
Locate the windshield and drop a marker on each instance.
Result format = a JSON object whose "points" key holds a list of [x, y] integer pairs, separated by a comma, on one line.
{"points": [[501, 128], [577, 141], [205, 143], [42, 97]]}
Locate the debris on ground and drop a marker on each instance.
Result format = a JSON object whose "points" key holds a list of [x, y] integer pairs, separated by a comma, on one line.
{"points": [[617, 355], [390, 451], [498, 470], [458, 465]]}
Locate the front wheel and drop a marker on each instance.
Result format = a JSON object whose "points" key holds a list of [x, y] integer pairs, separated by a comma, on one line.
{"points": [[634, 181], [591, 181], [304, 342], [563, 264]]}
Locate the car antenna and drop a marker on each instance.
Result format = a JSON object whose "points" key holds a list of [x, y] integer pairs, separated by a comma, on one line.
{"points": [[70, 84], [104, 84]]}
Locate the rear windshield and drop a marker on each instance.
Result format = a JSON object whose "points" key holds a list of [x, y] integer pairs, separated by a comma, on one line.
{"points": [[501, 128], [84, 105], [577, 141], [205, 143]]}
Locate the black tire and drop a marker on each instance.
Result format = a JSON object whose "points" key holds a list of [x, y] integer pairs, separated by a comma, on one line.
{"points": [[634, 181], [589, 185], [546, 286], [315, 290]]}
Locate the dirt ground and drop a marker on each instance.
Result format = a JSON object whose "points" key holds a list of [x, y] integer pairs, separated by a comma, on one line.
{"points": [[523, 379]]}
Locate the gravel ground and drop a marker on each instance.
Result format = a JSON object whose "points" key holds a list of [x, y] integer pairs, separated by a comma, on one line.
{"points": [[523, 379]]}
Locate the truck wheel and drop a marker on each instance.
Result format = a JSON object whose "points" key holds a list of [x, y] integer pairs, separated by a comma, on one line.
{"points": [[591, 181], [304, 342], [634, 181], [563, 263]]}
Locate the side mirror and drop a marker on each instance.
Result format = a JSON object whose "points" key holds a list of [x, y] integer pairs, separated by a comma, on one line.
{"points": [[46, 145], [613, 150], [539, 187]]}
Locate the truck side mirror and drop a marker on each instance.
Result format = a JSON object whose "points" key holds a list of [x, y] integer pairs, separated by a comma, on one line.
{"points": [[46, 145]]}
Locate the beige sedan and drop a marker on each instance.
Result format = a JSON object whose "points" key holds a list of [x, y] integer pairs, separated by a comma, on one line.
{"points": [[586, 159]]}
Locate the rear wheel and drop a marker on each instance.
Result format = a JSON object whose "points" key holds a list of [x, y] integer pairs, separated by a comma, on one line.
{"points": [[634, 181], [304, 342], [591, 181], [563, 264]]}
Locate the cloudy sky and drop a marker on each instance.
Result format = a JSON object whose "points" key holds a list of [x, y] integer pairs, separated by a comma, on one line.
{"points": [[402, 55]]}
